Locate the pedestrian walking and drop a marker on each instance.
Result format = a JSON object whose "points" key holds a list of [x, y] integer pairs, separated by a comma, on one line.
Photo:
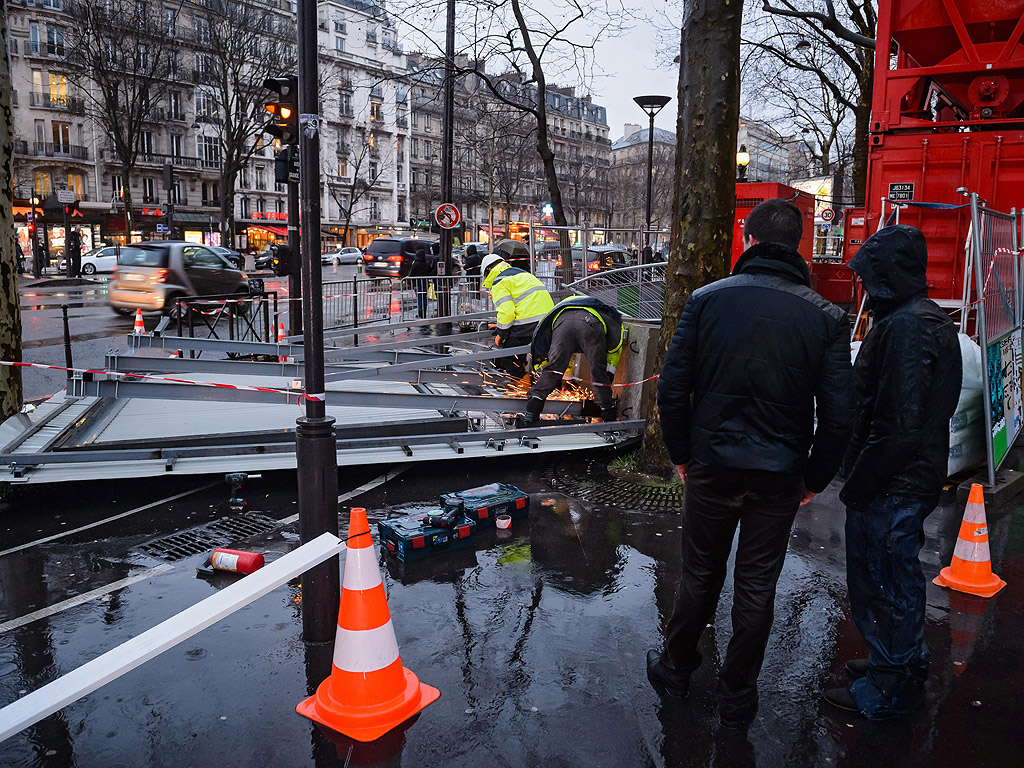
{"points": [[420, 270], [907, 380], [576, 324], [521, 302], [755, 357], [21, 256]]}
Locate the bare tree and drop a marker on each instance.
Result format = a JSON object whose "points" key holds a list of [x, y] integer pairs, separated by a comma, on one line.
{"points": [[705, 190], [504, 143], [831, 43], [123, 61], [10, 306], [366, 164], [239, 45], [628, 187]]}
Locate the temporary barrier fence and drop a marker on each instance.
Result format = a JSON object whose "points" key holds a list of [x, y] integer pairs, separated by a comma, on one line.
{"points": [[637, 292], [363, 301], [231, 317], [997, 278]]}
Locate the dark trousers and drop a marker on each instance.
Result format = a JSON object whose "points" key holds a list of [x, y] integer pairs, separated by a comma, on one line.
{"points": [[763, 505], [887, 598], [516, 365], [576, 330]]}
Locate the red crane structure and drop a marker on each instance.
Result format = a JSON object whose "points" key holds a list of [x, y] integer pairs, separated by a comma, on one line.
{"points": [[947, 119]]}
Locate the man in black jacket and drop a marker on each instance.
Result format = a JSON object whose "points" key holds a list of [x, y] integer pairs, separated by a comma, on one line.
{"points": [[752, 356], [907, 378]]}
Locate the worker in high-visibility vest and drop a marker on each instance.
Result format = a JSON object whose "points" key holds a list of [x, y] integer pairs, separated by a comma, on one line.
{"points": [[521, 301], [576, 324]]}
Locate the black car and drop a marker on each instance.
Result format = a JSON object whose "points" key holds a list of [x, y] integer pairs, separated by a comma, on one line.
{"points": [[264, 259], [392, 256], [236, 258]]}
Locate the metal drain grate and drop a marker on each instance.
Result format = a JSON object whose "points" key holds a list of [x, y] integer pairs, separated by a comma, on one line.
{"points": [[204, 538]]}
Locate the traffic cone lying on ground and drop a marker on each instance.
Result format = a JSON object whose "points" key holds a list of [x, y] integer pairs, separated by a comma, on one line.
{"points": [[971, 568], [369, 692], [280, 340], [140, 328]]}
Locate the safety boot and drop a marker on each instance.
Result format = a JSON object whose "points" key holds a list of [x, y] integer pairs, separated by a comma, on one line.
{"points": [[610, 412]]}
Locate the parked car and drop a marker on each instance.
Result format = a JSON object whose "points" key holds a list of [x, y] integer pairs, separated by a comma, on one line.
{"points": [[348, 254], [236, 258], [392, 256], [601, 258], [97, 260], [152, 275]]}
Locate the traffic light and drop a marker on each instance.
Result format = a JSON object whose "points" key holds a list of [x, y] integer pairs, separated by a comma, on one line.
{"points": [[284, 112], [282, 260], [71, 208]]}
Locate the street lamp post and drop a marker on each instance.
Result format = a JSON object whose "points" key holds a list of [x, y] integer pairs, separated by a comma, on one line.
{"points": [[742, 161], [652, 105], [37, 257]]}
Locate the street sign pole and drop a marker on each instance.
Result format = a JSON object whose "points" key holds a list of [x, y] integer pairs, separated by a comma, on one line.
{"points": [[447, 149], [315, 446], [295, 244]]}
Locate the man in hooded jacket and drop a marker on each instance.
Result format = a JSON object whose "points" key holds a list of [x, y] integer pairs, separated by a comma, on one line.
{"points": [[907, 378], [754, 358]]}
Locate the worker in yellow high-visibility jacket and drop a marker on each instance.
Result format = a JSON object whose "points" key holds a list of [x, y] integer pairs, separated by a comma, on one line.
{"points": [[521, 301]]}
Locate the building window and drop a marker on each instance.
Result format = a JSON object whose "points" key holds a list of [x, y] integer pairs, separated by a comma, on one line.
{"points": [[374, 209], [116, 184], [208, 151], [398, 175], [243, 178], [246, 213], [372, 173], [426, 122], [401, 211], [176, 195], [174, 101], [346, 105], [342, 167], [170, 22], [202, 31], [415, 120], [339, 44], [376, 111], [146, 142], [54, 41], [75, 185], [148, 191], [177, 145], [414, 149], [261, 180], [428, 150]]}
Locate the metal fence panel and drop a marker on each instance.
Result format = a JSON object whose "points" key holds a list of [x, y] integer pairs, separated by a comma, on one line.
{"points": [[998, 284], [637, 292]]}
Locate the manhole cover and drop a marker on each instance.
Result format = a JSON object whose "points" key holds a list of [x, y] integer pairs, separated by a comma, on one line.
{"points": [[219, 533]]}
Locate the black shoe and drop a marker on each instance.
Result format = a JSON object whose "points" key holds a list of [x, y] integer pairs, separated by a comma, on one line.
{"points": [[609, 413], [842, 698], [676, 684], [856, 668]]}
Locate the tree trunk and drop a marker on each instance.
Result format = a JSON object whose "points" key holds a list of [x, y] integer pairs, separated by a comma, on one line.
{"points": [[227, 209], [11, 393], [861, 128], [703, 207], [126, 196]]}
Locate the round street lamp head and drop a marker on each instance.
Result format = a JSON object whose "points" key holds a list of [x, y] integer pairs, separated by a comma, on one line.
{"points": [[652, 105], [743, 157]]}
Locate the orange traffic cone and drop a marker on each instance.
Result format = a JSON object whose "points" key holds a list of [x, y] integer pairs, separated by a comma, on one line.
{"points": [[369, 692], [140, 328], [280, 340], [971, 568]]}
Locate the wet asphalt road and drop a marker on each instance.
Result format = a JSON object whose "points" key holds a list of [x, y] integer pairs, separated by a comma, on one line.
{"points": [[95, 328], [536, 640]]}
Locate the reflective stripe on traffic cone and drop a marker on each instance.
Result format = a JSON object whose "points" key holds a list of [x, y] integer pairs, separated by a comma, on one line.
{"points": [[971, 568], [140, 328], [369, 692], [280, 340]]}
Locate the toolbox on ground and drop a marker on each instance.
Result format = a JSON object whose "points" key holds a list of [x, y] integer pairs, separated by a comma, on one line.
{"points": [[485, 503], [413, 537]]}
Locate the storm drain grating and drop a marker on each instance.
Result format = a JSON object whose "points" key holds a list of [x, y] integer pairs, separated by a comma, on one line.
{"points": [[204, 538]]}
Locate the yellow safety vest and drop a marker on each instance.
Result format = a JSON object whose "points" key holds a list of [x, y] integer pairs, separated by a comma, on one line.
{"points": [[519, 297]]}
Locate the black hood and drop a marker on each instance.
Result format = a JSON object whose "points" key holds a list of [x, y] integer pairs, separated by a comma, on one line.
{"points": [[774, 258], [892, 264]]}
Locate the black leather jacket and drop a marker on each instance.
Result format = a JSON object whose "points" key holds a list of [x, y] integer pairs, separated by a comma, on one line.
{"points": [[751, 356], [907, 377]]}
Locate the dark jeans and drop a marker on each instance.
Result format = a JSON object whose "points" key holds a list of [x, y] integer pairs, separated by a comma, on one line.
{"points": [[887, 599], [763, 504], [576, 330]]}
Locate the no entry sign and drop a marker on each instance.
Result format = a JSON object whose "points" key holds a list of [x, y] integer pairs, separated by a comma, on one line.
{"points": [[447, 216]]}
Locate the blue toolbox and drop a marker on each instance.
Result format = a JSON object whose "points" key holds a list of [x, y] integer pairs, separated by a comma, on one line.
{"points": [[419, 536], [485, 503]]}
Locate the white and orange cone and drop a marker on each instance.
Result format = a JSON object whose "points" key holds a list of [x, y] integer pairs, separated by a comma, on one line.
{"points": [[140, 328], [280, 340], [971, 568], [369, 692]]}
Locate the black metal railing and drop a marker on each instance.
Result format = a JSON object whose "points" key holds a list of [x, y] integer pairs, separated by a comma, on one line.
{"points": [[235, 317]]}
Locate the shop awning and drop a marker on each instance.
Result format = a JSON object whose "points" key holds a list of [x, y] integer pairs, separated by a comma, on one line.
{"points": [[203, 219], [278, 231]]}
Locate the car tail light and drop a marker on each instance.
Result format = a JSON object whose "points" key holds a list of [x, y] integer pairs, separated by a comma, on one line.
{"points": [[367, 257], [594, 265], [558, 262], [396, 257], [161, 275]]}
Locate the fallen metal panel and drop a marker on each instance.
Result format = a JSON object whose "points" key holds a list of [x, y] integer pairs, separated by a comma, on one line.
{"points": [[420, 341], [162, 390], [463, 359], [415, 323], [94, 674], [267, 462], [354, 444]]}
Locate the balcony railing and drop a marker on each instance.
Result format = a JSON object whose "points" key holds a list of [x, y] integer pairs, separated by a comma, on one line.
{"points": [[43, 149], [154, 158], [52, 101], [39, 48]]}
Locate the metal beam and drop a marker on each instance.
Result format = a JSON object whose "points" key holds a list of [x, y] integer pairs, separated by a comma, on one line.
{"points": [[470, 357], [164, 390], [455, 441], [418, 322], [421, 341], [293, 370]]}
